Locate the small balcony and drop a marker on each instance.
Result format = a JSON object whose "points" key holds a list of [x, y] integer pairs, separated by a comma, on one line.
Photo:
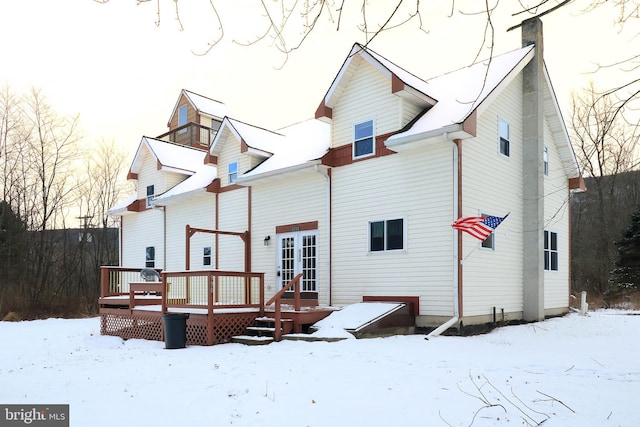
{"points": [[191, 134]]}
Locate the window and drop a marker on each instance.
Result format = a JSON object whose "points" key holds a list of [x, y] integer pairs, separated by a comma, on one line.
{"points": [[545, 160], [150, 195], [150, 257], [503, 133], [363, 139], [206, 255], [386, 235], [182, 115], [233, 172], [550, 250], [490, 241]]}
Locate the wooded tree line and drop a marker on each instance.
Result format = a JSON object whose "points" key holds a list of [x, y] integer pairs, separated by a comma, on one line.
{"points": [[607, 148], [50, 176]]}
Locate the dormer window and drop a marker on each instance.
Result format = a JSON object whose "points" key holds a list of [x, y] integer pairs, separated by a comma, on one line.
{"points": [[151, 192], [363, 140], [233, 172], [182, 117]]}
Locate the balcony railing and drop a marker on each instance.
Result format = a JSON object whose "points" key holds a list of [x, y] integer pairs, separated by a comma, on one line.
{"points": [[191, 134]]}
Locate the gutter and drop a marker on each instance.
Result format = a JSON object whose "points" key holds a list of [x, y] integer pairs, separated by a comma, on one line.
{"points": [[326, 172], [248, 178], [402, 139]]}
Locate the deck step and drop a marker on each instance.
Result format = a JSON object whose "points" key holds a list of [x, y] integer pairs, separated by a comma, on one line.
{"points": [[251, 340], [267, 319], [261, 329]]}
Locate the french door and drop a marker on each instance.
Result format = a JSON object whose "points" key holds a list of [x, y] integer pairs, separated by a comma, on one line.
{"points": [[298, 253]]}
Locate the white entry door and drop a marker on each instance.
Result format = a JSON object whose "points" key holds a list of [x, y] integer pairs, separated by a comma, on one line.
{"points": [[298, 253]]}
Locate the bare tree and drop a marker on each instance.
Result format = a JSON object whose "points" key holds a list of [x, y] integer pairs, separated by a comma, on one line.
{"points": [[606, 148], [100, 188]]}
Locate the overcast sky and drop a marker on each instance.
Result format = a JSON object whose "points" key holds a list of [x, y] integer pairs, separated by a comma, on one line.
{"points": [[111, 64]]}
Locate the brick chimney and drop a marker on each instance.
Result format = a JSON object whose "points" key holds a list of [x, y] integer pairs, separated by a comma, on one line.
{"points": [[533, 179]]}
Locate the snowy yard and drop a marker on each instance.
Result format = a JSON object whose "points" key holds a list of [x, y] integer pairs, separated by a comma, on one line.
{"points": [[570, 371]]}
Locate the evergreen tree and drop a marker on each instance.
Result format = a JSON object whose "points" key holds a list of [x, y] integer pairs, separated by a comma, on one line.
{"points": [[626, 274]]}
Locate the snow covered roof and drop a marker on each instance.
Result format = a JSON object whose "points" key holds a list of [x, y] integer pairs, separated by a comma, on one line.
{"points": [[257, 141], [121, 207], [207, 106], [411, 86], [292, 147], [204, 175], [170, 157], [203, 105], [463, 92]]}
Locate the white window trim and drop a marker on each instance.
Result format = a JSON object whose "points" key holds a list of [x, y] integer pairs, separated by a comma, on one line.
{"points": [[353, 139], [502, 120], [186, 117], [205, 256], [155, 255], [149, 198], [385, 250], [493, 247], [237, 172], [545, 160], [557, 251]]}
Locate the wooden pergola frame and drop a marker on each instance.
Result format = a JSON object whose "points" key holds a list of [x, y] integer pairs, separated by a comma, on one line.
{"points": [[244, 235]]}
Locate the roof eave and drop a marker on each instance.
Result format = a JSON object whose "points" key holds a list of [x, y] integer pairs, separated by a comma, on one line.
{"points": [[254, 177], [160, 200], [400, 142]]}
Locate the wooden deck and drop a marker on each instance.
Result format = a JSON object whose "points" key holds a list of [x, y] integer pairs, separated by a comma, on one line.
{"points": [[220, 304]]}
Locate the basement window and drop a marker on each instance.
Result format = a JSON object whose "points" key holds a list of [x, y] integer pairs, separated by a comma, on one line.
{"points": [[503, 136]]}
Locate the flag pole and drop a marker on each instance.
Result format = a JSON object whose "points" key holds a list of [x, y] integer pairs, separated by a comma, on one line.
{"points": [[469, 254]]}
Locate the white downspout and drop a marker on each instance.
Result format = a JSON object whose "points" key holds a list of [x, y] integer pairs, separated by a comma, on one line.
{"points": [[449, 323], [328, 225]]}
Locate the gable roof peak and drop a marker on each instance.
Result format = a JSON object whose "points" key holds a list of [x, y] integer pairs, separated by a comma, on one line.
{"points": [[202, 104]]}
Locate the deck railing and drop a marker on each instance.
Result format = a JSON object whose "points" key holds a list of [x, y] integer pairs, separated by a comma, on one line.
{"points": [[277, 301], [117, 281], [201, 289], [209, 289]]}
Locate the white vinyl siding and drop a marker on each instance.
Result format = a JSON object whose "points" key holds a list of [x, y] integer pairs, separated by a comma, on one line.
{"points": [[556, 219], [198, 211], [139, 231], [292, 198], [491, 184], [230, 153], [233, 217], [417, 186], [368, 96], [149, 174]]}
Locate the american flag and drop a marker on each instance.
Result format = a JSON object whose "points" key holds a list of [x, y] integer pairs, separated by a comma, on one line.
{"points": [[479, 227]]}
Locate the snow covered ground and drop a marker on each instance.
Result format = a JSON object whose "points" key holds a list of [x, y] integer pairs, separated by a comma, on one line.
{"points": [[570, 371]]}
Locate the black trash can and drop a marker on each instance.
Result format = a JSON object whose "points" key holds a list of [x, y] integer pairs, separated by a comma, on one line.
{"points": [[175, 330]]}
